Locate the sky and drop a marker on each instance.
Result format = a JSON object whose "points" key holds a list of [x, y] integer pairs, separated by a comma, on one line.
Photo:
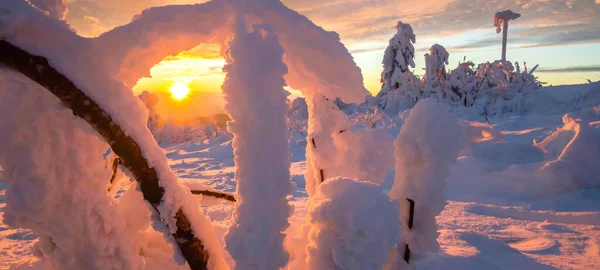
{"points": [[563, 37]]}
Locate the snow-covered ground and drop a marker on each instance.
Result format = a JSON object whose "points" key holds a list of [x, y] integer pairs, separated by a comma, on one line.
{"points": [[497, 215]]}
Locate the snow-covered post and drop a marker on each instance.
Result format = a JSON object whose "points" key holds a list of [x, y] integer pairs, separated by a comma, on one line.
{"points": [[324, 120], [428, 143], [501, 23], [435, 68], [398, 57], [256, 102]]}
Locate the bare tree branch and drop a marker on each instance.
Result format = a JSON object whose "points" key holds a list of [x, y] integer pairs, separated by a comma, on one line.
{"points": [[39, 70], [215, 194]]}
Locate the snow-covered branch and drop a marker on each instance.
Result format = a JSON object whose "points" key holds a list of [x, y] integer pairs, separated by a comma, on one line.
{"points": [[39, 70]]}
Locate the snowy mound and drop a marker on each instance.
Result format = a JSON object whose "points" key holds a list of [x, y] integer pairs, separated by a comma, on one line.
{"points": [[354, 225]]}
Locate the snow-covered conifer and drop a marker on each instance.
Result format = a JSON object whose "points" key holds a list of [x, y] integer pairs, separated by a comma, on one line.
{"points": [[398, 57], [435, 71]]}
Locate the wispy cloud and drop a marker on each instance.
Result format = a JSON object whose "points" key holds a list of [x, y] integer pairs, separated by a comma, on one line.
{"points": [[367, 19], [570, 69]]}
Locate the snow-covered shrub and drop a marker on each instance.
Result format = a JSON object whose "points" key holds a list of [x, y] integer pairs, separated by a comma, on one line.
{"points": [[428, 143], [494, 85], [462, 84], [353, 226], [498, 84]]}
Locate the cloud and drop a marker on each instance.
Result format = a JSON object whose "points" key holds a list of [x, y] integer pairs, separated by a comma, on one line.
{"points": [[570, 69], [110, 13], [374, 20], [55, 8], [562, 35], [358, 20], [203, 51], [95, 25], [376, 49]]}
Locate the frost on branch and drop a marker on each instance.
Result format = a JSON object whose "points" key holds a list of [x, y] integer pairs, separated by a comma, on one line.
{"points": [[256, 102], [428, 143]]}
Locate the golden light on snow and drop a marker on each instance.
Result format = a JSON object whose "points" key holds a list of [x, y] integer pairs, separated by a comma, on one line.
{"points": [[179, 90]]}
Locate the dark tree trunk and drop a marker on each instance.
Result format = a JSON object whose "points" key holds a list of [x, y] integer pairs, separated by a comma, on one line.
{"points": [[128, 150]]}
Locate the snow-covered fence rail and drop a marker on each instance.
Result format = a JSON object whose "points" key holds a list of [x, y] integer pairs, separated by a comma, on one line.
{"points": [[39, 70]]}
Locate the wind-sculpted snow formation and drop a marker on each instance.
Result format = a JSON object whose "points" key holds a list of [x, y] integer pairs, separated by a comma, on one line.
{"points": [[256, 102], [575, 148]]}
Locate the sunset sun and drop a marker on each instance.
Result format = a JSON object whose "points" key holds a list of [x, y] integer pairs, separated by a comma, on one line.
{"points": [[179, 90]]}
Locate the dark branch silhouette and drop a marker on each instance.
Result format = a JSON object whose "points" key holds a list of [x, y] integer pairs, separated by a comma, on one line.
{"points": [[215, 194]]}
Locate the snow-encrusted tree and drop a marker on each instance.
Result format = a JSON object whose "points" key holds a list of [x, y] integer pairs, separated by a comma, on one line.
{"points": [[501, 23], [435, 71], [401, 88], [397, 59]]}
